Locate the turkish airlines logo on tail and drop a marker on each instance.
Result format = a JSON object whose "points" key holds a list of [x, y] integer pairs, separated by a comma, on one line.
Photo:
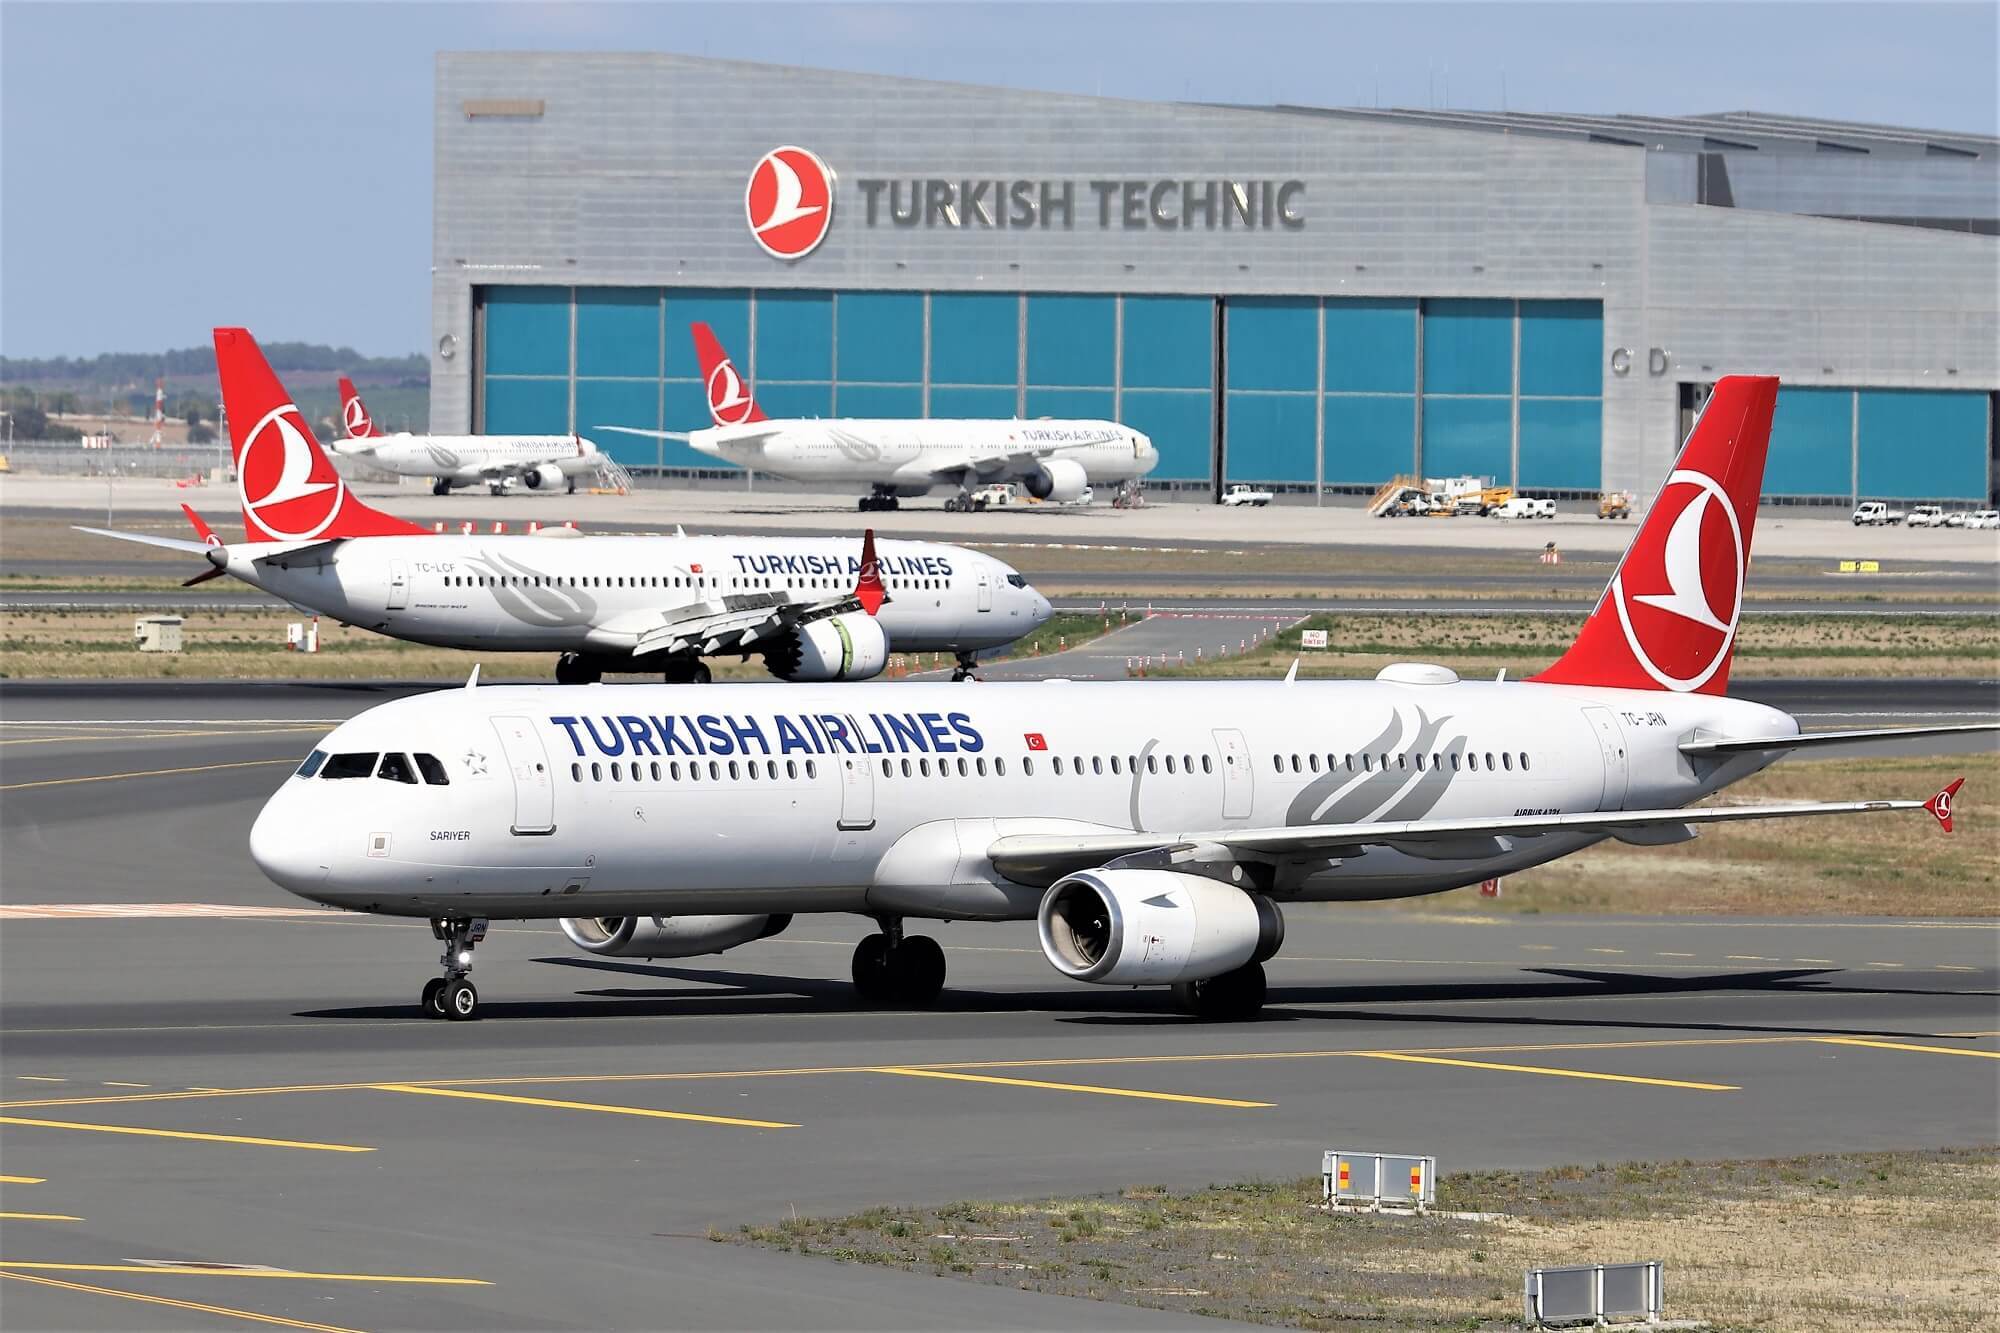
{"points": [[789, 202], [356, 417], [728, 402], [1679, 602], [286, 484]]}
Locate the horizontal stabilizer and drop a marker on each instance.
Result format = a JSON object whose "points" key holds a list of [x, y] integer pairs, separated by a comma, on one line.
{"points": [[148, 539], [680, 435], [1810, 739]]}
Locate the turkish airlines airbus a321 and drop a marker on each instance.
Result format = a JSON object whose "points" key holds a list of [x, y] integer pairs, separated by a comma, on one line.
{"points": [[812, 607], [539, 462], [894, 457], [1154, 830]]}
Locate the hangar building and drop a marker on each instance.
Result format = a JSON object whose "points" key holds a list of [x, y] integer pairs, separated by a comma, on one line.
{"points": [[1304, 297]]}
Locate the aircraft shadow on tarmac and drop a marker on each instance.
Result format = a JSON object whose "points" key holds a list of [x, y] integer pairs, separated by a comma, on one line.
{"points": [[768, 994]]}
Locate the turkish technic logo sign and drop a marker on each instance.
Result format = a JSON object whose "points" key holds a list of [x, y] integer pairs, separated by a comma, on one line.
{"points": [[788, 203]]}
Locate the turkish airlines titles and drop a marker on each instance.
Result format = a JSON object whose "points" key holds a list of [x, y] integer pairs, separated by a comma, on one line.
{"points": [[1133, 205]]}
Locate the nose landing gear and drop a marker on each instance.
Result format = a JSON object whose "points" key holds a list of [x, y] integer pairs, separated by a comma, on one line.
{"points": [[894, 968], [967, 663], [453, 995]]}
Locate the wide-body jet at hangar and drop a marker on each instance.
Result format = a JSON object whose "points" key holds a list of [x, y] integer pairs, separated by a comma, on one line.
{"points": [[1154, 830], [894, 457], [538, 462], [810, 606]]}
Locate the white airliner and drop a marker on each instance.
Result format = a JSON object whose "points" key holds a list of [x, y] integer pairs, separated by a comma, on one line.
{"points": [[1051, 459], [812, 607], [539, 462], [1153, 829]]}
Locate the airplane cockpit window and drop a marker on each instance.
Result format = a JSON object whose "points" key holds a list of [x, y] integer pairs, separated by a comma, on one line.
{"points": [[396, 768], [350, 765], [1017, 581], [311, 764]]}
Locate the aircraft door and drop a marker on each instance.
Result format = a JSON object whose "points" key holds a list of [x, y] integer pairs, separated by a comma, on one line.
{"points": [[1238, 783], [399, 585], [857, 807], [534, 785], [985, 590], [1611, 743]]}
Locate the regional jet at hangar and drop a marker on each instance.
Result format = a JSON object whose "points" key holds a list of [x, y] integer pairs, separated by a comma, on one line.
{"points": [[1154, 830], [538, 462], [815, 608], [1052, 459]]}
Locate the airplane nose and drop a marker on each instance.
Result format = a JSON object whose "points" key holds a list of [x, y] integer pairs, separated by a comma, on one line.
{"points": [[284, 847], [1042, 609]]}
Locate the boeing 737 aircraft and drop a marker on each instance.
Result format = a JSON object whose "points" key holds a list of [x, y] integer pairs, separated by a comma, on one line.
{"points": [[539, 462], [608, 604], [1052, 460], [1154, 831]]}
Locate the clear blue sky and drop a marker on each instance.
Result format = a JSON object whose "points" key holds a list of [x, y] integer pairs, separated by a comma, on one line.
{"points": [[167, 167]]}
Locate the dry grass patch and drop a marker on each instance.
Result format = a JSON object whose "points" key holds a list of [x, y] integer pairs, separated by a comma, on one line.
{"points": [[1851, 1243]]}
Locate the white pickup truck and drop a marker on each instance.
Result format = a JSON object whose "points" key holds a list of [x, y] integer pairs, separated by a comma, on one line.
{"points": [[1239, 495], [1875, 513], [1926, 516]]}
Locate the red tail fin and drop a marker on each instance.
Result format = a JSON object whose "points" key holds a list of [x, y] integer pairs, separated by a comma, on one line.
{"points": [[354, 413], [288, 486], [729, 400], [868, 589], [1668, 619]]}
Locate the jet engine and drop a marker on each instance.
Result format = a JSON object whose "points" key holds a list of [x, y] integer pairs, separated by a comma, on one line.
{"points": [[850, 646], [543, 477], [1058, 479], [667, 936], [1147, 927]]}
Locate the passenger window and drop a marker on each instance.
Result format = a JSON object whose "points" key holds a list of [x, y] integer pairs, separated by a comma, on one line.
{"points": [[906, 767], [1114, 763], [656, 770], [1170, 763], [1207, 764], [812, 769], [576, 772], [924, 767], [694, 772], [615, 773], [732, 770], [1000, 766], [1057, 761], [714, 771], [350, 766], [1277, 763], [433, 771], [888, 769], [1312, 762], [1507, 761], [1097, 765], [311, 764], [1489, 761], [596, 773], [1152, 763], [1367, 763], [1454, 761], [792, 768], [962, 766], [980, 765], [1524, 761], [1295, 763], [1471, 761], [674, 770], [1420, 761]]}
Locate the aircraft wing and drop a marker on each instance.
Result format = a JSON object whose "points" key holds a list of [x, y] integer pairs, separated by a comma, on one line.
{"points": [[734, 623], [1020, 458], [1809, 739], [147, 539], [1033, 859]]}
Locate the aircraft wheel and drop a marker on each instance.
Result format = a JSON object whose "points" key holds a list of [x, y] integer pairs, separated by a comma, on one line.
{"points": [[895, 503], [440, 487], [701, 675], [951, 504], [1229, 998], [461, 1000], [918, 969], [433, 1001], [873, 980]]}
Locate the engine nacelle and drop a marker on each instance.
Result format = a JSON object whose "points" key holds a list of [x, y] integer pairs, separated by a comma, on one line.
{"points": [[543, 477], [1058, 479], [850, 646], [667, 936], [1148, 927]]}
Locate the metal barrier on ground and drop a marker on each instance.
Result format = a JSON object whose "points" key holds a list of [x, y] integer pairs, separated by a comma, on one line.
{"points": [[1592, 1294], [1373, 1181]]}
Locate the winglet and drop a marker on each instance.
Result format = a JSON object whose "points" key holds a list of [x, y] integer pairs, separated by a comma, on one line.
{"points": [[1941, 804], [472, 681], [1293, 674], [868, 589], [201, 529]]}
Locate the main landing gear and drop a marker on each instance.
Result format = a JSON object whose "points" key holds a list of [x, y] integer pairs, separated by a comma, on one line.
{"points": [[894, 968], [965, 667], [453, 995], [1231, 997], [576, 669], [884, 498], [439, 486], [687, 671]]}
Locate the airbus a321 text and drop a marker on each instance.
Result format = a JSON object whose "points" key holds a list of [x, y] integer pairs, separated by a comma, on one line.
{"points": [[815, 608], [895, 457], [1155, 831]]}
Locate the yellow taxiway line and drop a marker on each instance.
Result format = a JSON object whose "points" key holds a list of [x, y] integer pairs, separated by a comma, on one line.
{"points": [[583, 1106], [1555, 1073], [911, 1072], [23, 1180], [1908, 1046], [145, 773], [40, 1217], [182, 1134], [197, 1306], [203, 1270]]}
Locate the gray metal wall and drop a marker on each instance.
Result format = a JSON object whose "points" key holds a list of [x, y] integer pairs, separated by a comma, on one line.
{"points": [[635, 172]]}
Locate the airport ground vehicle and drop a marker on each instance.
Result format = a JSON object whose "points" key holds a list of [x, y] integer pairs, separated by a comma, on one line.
{"points": [[1876, 513], [896, 457], [1983, 518], [999, 494], [1523, 507], [1926, 516], [498, 462], [1241, 495], [1153, 830], [607, 604], [1615, 504]]}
